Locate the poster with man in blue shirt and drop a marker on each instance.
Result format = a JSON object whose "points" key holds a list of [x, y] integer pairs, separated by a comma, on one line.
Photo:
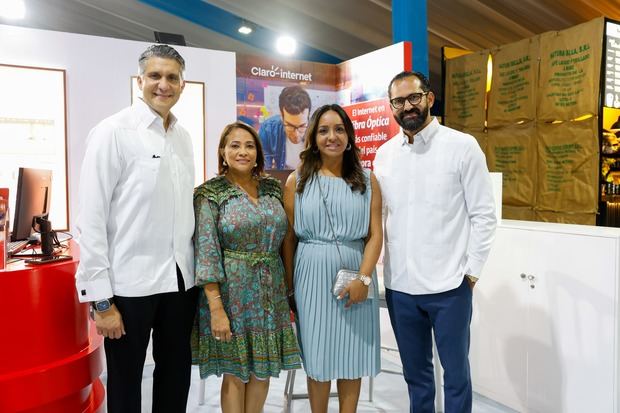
{"points": [[282, 135]]}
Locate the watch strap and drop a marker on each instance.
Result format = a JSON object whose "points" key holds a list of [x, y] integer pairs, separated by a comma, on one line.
{"points": [[102, 305]]}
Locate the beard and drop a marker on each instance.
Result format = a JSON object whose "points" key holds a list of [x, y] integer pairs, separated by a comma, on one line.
{"points": [[413, 124]]}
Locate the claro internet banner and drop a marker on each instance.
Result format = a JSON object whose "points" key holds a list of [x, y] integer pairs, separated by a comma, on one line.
{"points": [[278, 97]]}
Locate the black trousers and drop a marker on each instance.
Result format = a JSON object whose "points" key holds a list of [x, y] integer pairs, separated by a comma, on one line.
{"points": [[170, 316]]}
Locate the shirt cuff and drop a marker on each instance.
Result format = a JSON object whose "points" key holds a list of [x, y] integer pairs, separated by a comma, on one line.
{"points": [[94, 290], [474, 267]]}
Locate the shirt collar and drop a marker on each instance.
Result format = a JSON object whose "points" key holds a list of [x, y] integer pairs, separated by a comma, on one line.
{"points": [[425, 134], [147, 116]]}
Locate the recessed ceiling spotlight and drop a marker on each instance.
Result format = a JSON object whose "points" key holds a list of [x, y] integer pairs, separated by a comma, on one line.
{"points": [[245, 29], [286, 45], [13, 9]]}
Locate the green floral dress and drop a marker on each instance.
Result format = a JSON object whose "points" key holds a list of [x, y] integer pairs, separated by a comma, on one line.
{"points": [[237, 244]]}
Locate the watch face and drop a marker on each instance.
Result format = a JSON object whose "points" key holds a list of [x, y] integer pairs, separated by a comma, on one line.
{"points": [[102, 305]]}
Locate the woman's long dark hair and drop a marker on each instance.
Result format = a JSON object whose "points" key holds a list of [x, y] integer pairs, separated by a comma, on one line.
{"points": [[311, 161]]}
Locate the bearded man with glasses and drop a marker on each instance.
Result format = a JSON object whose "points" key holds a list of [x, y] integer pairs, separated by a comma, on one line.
{"points": [[439, 225]]}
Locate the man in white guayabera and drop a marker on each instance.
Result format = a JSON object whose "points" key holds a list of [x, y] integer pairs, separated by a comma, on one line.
{"points": [[439, 225], [135, 223]]}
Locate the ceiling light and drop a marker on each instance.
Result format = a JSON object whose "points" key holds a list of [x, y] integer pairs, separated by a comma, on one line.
{"points": [[245, 29], [13, 9], [286, 45]]}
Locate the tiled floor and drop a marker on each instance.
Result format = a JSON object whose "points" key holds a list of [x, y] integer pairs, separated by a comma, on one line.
{"points": [[389, 395]]}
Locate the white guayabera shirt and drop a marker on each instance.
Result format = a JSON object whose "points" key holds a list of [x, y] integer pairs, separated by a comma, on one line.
{"points": [[136, 215], [438, 207]]}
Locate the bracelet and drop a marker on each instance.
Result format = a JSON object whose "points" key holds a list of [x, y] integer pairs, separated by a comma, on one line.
{"points": [[214, 298], [290, 293]]}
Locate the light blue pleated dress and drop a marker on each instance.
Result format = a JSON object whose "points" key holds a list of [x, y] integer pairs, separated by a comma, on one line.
{"points": [[336, 342]]}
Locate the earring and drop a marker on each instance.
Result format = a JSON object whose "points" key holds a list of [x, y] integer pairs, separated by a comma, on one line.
{"points": [[255, 164], [315, 151], [224, 162], [348, 148]]}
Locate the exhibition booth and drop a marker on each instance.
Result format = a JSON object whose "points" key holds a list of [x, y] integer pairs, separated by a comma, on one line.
{"points": [[60, 85], [546, 315]]}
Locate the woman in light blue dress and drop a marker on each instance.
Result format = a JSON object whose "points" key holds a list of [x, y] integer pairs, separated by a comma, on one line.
{"points": [[334, 212]]}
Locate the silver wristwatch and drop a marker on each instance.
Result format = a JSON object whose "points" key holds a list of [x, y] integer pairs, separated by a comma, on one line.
{"points": [[101, 306], [364, 279]]}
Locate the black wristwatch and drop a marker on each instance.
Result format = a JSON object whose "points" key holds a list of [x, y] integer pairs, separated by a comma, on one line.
{"points": [[101, 306]]}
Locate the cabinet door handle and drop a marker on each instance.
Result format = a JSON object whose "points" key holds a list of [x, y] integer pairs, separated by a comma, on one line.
{"points": [[531, 279]]}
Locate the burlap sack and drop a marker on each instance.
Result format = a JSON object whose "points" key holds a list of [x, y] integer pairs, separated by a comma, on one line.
{"points": [[511, 150], [568, 166], [512, 97], [518, 213], [570, 68], [465, 90], [581, 218]]}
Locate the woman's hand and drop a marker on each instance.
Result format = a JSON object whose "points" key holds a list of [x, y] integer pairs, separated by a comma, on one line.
{"points": [[357, 292], [220, 325]]}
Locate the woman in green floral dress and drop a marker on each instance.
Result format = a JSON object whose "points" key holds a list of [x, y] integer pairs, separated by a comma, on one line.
{"points": [[242, 328]]}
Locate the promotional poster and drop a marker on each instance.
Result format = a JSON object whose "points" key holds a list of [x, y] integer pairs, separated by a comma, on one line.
{"points": [[278, 98]]}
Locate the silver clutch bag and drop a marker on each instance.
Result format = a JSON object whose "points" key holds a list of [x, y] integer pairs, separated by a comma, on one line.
{"points": [[344, 277]]}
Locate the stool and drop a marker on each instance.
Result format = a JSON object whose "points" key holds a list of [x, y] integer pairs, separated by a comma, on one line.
{"points": [[201, 392]]}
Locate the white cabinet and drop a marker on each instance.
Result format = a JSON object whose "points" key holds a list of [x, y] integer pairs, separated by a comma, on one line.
{"points": [[545, 323]]}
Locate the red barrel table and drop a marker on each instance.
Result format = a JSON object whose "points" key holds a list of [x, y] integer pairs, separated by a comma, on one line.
{"points": [[50, 354]]}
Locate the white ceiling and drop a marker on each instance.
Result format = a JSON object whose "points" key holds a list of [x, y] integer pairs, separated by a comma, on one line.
{"points": [[343, 28]]}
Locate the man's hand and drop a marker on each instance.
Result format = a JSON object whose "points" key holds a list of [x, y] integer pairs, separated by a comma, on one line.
{"points": [[471, 280], [110, 323]]}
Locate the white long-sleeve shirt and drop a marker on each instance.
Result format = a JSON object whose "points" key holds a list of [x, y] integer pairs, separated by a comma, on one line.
{"points": [[136, 218], [438, 207]]}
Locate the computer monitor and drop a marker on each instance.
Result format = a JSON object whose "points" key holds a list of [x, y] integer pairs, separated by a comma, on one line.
{"points": [[32, 198]]}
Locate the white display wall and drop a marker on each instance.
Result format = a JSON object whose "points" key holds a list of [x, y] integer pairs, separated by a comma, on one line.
{"points": [[98, 84]]}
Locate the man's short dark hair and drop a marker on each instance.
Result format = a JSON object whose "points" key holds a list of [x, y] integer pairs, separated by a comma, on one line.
{"points": [[294, 99], [160, 50], [424, 83]]}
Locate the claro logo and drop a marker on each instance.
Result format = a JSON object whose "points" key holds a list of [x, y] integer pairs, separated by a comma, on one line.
{"points": [[275, 71]]}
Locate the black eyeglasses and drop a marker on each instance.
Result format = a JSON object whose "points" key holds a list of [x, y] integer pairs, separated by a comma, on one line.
{"points": [[296, 128], [413, 99]]}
